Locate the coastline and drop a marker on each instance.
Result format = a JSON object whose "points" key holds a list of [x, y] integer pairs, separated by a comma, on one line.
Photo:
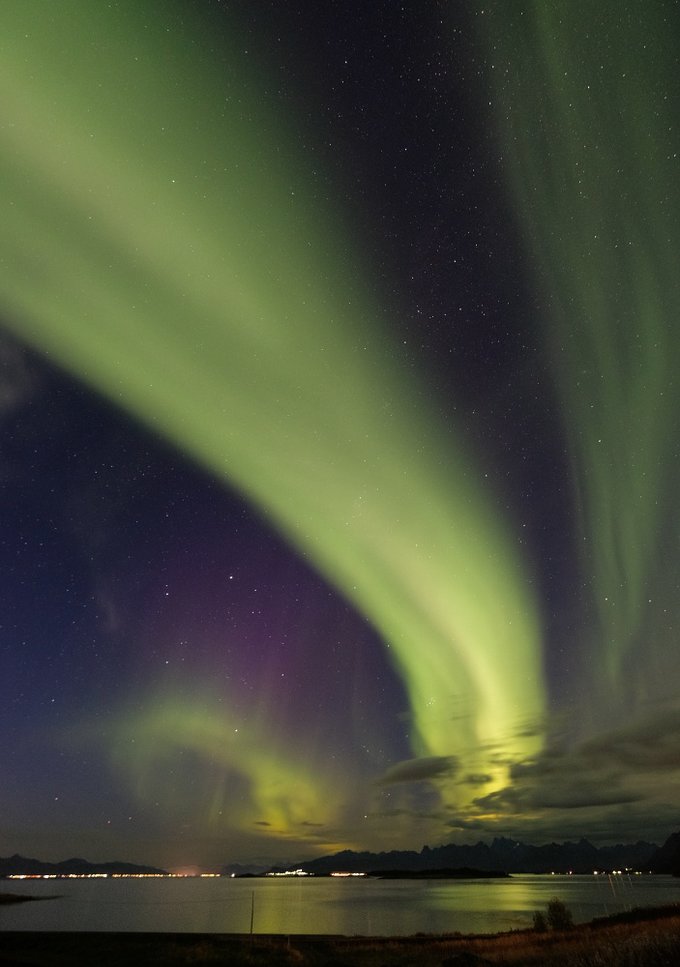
{"points": [[643, 938]]}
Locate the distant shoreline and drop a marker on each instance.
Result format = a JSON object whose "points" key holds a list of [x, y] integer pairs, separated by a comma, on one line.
{"points": [[463, 873]]}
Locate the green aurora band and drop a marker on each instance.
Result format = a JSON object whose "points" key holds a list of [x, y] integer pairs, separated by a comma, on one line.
{"points": [[166, 240], [585, 96]]}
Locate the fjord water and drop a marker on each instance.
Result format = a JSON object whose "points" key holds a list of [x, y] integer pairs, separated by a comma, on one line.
{"points": [[322, 906]]}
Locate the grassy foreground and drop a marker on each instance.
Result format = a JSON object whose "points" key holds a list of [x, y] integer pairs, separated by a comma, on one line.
{"points": [[643, 938]]}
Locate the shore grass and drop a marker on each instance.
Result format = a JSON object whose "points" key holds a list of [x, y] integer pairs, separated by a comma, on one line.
{"points": [[643, 938]]}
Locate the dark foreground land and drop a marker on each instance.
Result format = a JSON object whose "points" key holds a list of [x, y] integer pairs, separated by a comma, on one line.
{"points": [[643, 938]]}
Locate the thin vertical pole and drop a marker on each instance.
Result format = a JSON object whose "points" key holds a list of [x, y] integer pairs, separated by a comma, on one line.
{"points": [[252, 911]]}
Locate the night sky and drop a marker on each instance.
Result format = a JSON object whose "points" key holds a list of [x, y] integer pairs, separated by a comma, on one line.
{"points": [[338, 426]]}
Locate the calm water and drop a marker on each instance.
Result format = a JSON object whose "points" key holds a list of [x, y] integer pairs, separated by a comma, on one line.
{"points": [[333, 906]]}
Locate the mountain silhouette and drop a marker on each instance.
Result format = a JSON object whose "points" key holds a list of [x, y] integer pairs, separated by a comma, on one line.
{"points": [[21, 865], [506, 855], [666, 859]]}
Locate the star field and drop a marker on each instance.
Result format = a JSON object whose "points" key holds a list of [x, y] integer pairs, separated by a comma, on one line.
{"points": [[337, 427]]}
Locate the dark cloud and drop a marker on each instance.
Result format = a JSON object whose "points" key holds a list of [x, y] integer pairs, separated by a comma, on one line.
{"points": [[646, 746], [420, 770], [460, 823], [409, 813], [569, 794], [606, 786]]}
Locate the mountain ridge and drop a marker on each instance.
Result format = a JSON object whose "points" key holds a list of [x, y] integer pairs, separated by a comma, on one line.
{"points": [[667, 857], [507, 855], [17, 865]]}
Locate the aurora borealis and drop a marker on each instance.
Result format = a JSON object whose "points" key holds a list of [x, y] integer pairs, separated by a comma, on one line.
{"points": [[340, 426], [599, 209]]}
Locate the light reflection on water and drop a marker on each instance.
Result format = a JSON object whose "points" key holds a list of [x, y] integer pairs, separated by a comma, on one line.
{"points": [[327, 906]]}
